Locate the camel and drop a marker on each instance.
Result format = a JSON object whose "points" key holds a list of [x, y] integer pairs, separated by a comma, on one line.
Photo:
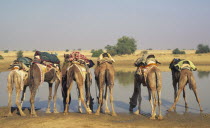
{"points": [[104, 74], [88, 82], [18, 78], [152, 79], [175, 79], [38, 74], [186, 77], [75, 71]]}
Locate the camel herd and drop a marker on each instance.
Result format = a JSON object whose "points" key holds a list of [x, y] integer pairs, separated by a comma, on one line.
{"points": [[104, 75]]}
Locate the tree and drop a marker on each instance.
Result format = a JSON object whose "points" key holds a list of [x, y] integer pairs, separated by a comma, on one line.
{"points": [[202, 49], [111, 50], [177, 51], [6, 51], [97, 53], [126, 45], [1, 57], [67, 50], [19, 54]]}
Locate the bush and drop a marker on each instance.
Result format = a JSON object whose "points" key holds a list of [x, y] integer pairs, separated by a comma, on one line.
{"points": [[202, 49], [111, 50], [1, 57], [67, 50], [126, 45], [144, 52], [6, 51], [97, 53], [177, 51], [19, 54]]}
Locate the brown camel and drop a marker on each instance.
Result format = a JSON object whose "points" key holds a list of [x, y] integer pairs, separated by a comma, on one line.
{"points": [[104, 74], [186, 76], [18, 78], [38, 74], [151, 78], [75, 72], [175, 79]]}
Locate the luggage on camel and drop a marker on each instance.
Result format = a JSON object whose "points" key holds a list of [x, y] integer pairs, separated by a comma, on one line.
{"points": [[26, 60], [77, 57], [41, 57], [185, 64], [144, 64], [105, 57]]}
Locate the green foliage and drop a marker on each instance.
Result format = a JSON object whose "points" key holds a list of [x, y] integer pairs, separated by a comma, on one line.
{"points": [[177, 51], [97, 53], [202, 49], [1, 57], [19, 54], [67, 50], [34, 50], [79, 49], [126, 45], [6, 51], [112, 50], [144, 52]]}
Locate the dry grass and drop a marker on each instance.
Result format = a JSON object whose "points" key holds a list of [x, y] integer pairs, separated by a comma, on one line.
{"points": [[124, 62]]}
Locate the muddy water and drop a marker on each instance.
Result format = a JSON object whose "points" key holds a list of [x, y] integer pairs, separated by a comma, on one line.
{"points": [[123, 89]]}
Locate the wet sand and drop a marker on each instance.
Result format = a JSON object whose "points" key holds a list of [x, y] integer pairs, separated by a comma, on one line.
{"points": [[171, 119]]}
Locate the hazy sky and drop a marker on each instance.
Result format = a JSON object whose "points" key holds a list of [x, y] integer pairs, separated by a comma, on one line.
{"points": [[93, 24]]}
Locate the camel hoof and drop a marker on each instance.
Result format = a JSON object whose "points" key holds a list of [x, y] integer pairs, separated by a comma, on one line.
{"points": [[114, 114], [23, 114], [170, 109], [152, 118], [65, 113], [34, 115], [48, 111], [97, 113], [9, 114], [107, 112], [55, 111], [136, 112], [160, 117], [80, 110]]}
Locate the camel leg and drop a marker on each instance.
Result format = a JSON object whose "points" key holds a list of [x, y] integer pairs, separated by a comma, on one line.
{"points": [[82, 98], [79, 102], [184, 96], [112, 100], [32, 100], [55, 96], [49, 98], [106, 101], [133, 99], [67, 97], [175, 89], [23, 95], [177, 98], [100, 100], [154, 101], [160, 117], [198, 100], [10, 89], [150, 100], [137, 112], [18, 102]]}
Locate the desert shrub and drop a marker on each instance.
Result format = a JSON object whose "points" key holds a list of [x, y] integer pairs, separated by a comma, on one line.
{"points": [[1, 57], [67, 50], [97, 53], [202, 49], [19, 54], [177, 51], [6, 51]]}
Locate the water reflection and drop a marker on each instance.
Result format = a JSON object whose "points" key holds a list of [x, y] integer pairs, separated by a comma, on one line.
{"points": [[124, 78], [202, 74]]}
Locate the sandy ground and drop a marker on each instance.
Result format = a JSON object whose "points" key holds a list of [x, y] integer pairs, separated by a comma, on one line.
{"points": [[59, 120]]}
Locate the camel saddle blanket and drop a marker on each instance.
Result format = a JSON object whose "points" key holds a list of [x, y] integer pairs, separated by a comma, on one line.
{"points": [[82, 70], [45, 56], [145, 70]]}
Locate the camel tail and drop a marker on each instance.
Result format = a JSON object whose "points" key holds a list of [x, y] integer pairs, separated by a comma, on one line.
{"points": [[158, 80], [189, 75]]}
